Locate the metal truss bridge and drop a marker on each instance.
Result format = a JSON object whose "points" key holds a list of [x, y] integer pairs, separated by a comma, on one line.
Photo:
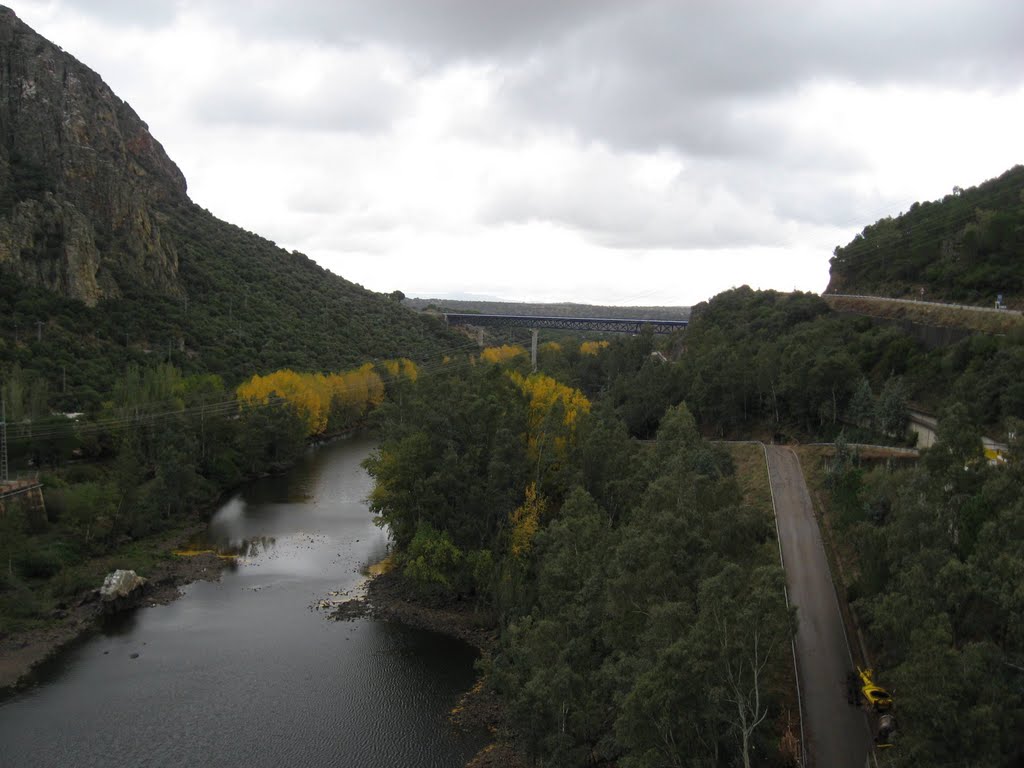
{"points": [[534, 322], [566, 323]]}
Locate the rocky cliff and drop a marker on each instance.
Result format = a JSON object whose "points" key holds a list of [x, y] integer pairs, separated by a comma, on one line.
{"points": [[105, 263], [81, 178]]}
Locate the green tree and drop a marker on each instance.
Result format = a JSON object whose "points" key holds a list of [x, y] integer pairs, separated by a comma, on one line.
{"points": [[862, 406], [892, 413], [744, 620], [431, 559]]}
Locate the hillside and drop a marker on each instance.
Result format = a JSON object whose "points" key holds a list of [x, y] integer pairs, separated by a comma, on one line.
{"points": [[965, 248], [105, 261]]}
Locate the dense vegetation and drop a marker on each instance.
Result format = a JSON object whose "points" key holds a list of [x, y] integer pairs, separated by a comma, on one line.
{"points": [[771, 362], [965, 248], [599, 557], [247, 307], [935, 552], [162, 450], [640, 599], [628, 579], [937, 563]]}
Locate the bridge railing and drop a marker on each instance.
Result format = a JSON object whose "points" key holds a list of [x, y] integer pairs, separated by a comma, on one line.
{"points": [[612, 325]]}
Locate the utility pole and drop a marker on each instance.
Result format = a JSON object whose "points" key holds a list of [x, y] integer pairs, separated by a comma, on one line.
{"points": [[3, 441], [39, 330]]}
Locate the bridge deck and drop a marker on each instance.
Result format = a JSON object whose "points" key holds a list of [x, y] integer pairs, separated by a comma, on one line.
{"points": [[614, 325]]}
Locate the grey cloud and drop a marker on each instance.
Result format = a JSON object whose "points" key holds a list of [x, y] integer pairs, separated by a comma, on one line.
{"points": [[128, 13], [350, 105], [712, 204], [709, 46], [694, 212], [649, 73], [664, 75], [440, 30], [638, 75]]}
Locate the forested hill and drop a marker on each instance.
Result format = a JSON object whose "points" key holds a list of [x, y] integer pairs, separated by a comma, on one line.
{"points": [[967, 247], [105, 261]]}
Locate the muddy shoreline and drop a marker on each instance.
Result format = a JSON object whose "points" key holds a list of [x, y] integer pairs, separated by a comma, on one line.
{"points": [[388, 598], [21, 652]]}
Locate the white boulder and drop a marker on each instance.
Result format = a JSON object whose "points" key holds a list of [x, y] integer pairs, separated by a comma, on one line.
{"points": [[120, 584]]}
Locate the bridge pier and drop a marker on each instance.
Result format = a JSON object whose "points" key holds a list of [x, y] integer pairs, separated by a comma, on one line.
{"points": [[32, 491], [533, 348]]}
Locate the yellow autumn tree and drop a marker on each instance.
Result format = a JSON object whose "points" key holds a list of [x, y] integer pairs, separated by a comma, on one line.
{"points": [[551, 346], [401, 368], [409, 369], [501, 354], [525, 520], [353, 394], [592, 347], [316, 397], [546, 396], [300, 390]]}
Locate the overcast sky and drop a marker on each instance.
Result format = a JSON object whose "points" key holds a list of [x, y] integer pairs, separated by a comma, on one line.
{"points": [[606, 151]]}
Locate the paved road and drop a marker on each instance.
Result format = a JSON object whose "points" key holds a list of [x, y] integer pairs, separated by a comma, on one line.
{"points": [[836, 733], [971, 307]]}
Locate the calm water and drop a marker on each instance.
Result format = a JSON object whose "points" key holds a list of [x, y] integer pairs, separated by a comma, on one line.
{"points": [[243, 672]]}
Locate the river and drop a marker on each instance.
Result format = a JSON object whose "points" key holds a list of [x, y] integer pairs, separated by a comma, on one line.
{"points": [[244, 671]]}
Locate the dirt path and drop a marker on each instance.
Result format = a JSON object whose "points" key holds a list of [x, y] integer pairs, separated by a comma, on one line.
{"points": [[837, 735]]}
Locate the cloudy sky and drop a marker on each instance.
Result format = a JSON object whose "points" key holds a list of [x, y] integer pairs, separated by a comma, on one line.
{"points": [[607, 151]]}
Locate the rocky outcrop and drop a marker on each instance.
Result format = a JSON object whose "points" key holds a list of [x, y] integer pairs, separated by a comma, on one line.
{"points": [[122, 589], [82, 181]]}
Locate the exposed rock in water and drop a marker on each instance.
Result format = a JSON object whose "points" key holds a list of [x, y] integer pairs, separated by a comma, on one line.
{"points": [[357, 608], [122, 589]]}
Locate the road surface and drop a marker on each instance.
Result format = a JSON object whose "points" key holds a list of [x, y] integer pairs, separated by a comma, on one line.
{"points": [[836, 733]]}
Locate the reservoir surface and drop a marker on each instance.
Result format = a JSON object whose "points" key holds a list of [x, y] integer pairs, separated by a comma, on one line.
{"points": [[245, 671]]}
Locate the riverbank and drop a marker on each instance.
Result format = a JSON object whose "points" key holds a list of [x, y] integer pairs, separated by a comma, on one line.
{"points": [[389, 598], [68, 618], [21, 652]]}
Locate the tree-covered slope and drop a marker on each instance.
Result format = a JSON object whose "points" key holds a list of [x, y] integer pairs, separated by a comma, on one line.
{"points": [[967, 247], [105, 262], [245, 307]]}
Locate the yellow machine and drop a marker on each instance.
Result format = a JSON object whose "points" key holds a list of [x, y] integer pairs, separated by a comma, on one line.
{"points": [[862, 691], [876, 697]]}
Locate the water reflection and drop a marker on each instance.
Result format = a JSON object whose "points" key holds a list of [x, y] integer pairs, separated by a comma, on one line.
{"points": [[116, 624], [228, 549], [254, 547]]}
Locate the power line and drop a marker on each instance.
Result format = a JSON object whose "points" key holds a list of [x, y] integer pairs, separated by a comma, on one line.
{"points": [[24, 432], [222, 408]]}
